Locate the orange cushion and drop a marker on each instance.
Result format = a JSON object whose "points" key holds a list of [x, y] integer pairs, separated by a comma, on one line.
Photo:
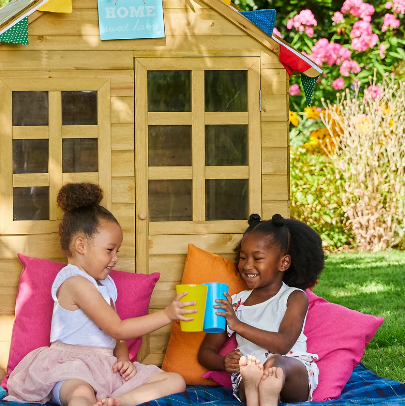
{"points": [[182, 349]]}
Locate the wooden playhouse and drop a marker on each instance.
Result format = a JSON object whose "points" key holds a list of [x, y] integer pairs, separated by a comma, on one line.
{"points": [[186, 134]]}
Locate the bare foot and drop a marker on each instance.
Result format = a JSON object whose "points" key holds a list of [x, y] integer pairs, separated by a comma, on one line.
{"points": [[107, 402], [270, 386], [252, 372]]}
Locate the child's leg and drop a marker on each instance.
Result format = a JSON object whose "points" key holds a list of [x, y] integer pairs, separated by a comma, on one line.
{"points": [[161, 384], [75, 392], [252, 372], [296, 384]]}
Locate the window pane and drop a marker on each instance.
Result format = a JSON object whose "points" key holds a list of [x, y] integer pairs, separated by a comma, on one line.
{"points": [[80, 155], [170, 200], [226, 145], [169, 145], [30, 156], [79, 108], [226, 90], [30, 108], [31, 203], [226, 199], [169, 90]]}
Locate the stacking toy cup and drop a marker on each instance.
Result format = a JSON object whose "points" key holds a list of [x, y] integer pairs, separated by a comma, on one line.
{"points": [[195, 293], [212, 322]]}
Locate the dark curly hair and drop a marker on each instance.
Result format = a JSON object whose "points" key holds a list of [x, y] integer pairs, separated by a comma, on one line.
{"points": [[296, 239], [81, 204]]}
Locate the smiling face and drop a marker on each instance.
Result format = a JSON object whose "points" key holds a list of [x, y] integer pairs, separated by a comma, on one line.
{"points": [[261, 264], [98, 255]]}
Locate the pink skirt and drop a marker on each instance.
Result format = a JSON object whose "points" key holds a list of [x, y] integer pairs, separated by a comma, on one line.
{"points": [[37, 373]]}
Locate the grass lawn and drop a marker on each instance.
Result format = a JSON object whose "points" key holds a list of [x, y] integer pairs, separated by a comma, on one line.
{"points": [[372, 283]]}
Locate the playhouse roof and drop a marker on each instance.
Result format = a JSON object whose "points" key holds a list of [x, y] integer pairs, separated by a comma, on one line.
{"points": [[18, 9]]}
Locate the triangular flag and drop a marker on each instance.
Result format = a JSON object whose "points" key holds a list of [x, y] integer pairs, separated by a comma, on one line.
{"points": [[58, 6], [17, 34], [264, 19], [292, 61], [308, 84]]}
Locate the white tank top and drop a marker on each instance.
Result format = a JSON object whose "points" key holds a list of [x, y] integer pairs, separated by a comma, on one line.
{"points": [[74, 327], [265, 316]]}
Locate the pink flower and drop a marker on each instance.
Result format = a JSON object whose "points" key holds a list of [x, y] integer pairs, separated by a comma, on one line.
{"points": [[399, 6], [303, 22], [309, 31], [363, 37], [349, 67], [390, 21], [277, 32], [294, 90], [374, 91], [337, 17], [338, 84], [358, 9], [382, 48], [331, 53], [388, 4]]}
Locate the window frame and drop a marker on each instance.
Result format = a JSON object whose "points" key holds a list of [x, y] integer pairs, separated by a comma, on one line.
{"points": [[55, 132]]}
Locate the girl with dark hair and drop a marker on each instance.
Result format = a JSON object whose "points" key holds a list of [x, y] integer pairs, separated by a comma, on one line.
{"points": [[277, 259], [87, 363]]}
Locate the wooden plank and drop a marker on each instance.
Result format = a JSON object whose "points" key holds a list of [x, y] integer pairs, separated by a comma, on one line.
{"points": [[10, 270], [141, 164], [275, 135], [170, 172], [175, 118], [153, 359], [242, 63], [275, 207], [79, 131], [126, 264], [123, 190], [239, 117], [40, 246], [178, 244], [274, 108], [179, 46], [122, 110], [197, 227], [7, 300], [163, 294], [122, 137], [275, 187], [227, 172], [78, 4], [30, 132], [6, 323], [55, 153], [125, 214], [122, 81], [198, 145], [122, 163], [274, 81], [6, 156], [31, 227], [275, 160], [170, 266], [254, 141], [30, 179], [22, 83], [201, 21], [270, 60], [79, 177], [78, 60]]}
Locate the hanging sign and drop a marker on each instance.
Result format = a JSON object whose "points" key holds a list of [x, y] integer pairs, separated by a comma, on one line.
{"points": [[130, 19]]}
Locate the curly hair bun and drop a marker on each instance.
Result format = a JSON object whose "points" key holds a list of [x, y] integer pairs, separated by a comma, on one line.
{"points": [[278, 220], [254, 219], [77, 195]]}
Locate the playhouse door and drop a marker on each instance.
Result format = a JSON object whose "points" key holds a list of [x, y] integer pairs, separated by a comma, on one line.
{"points": [[197, 158]]}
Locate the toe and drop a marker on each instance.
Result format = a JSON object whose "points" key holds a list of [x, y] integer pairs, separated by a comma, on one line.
{"points": [[279, 372], [242, 361]]}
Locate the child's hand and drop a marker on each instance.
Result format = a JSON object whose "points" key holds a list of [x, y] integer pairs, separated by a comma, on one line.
{"points": [[175, 309], [125, 368], [232, 361], [229, 313]]}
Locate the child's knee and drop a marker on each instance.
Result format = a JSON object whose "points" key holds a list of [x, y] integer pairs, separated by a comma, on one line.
{"points": [[176, 382], [274, 360]]}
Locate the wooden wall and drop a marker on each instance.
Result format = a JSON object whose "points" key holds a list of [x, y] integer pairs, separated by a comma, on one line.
{"points": [[68, 46]]}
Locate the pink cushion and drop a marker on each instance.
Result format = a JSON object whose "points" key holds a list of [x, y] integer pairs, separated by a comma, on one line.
{"points": [[34, 306], [337, 334]]}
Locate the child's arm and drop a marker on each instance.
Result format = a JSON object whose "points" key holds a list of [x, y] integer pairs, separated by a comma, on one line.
{"points": [[208, 355], [123, 365], [290, 328], [86, 297]]}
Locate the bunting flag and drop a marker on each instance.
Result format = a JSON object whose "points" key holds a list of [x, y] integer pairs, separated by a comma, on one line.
{"points": [[17, 34], [58, 6], [263, 19], [308, 84]]}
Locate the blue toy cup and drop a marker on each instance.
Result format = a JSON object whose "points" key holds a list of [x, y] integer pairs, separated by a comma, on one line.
{"points": [[212, 322]]}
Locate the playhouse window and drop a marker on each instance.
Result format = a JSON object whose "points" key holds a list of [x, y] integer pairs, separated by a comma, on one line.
{"points": [[169, 90], [31, 203], [79, 108], [30, 156], [30, 108], [80, 155]]}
